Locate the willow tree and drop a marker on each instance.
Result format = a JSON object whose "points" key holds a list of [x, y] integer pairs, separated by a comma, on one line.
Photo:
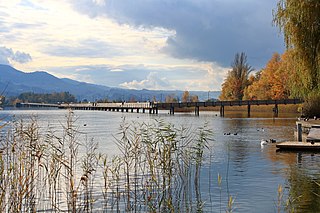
{"points": [[237, 79], [299, 20]]}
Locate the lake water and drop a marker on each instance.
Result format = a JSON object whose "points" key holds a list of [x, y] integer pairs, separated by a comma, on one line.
{"points": [[250, 173]]}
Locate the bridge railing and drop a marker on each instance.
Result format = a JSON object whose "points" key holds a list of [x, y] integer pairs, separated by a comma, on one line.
{"points": [[228, 103]]}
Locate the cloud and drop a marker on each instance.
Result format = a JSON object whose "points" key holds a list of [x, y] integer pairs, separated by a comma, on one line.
{"points": [[116, 70], [153, 81], [194, 77], [7, 55], [86, 48], [205, 30]]}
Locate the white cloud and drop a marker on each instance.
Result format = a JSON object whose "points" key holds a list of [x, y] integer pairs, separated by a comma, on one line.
{"points": [[152, 81], [116, 70], [7, 56]]}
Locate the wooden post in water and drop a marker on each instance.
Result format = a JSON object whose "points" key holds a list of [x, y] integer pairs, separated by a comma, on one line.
{"points": [[275, 110], [171, 110], [197, 111], [299, 131], [222, 111]]}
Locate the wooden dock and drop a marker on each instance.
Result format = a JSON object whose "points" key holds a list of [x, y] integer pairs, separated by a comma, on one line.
{"points": [[302, 146], [314, 134]]}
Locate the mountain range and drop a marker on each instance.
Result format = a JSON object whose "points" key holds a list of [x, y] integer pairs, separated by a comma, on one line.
{"points": [[14, 82]]}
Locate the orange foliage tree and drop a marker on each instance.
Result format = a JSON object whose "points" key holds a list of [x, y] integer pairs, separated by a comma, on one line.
{"points": [[186, 97], [276, 80]]}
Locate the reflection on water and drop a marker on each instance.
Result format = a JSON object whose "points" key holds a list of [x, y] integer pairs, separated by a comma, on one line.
{"points": [[250, 173]]}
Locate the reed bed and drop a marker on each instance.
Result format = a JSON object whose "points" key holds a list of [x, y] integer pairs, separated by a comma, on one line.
{"points": [[158, 169]]}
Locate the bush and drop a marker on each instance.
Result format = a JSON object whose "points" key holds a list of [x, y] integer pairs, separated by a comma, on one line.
{"points": [[311, 105]]}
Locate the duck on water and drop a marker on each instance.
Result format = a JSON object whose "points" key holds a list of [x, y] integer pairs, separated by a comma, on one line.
{"points": [[265, 142]]}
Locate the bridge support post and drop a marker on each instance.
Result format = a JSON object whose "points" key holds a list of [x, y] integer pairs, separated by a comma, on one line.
{"points": [[137, 110], [131, 109], [275, 110], [171, 110], [222, 111], [143, 110], [249, 110], [197, 111]]}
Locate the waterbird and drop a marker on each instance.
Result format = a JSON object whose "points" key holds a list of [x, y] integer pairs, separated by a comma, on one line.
{"points": [[264, 142], [272, 140]]}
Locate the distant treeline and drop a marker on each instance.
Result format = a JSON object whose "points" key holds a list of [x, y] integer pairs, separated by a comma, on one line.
{"points": [[52, 98]]}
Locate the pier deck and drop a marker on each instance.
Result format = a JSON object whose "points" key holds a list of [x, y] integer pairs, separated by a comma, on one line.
{"points": [[294, 145], [314, 134]]}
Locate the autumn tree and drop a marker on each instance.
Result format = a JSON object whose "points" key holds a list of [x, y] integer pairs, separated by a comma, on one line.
{"points": [[278, 80], [194, 98], [300, 23], [185, 96], [237, 79], [170, 99], [267, 84]]}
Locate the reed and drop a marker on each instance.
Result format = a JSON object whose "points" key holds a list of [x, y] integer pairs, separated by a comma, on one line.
{"points": [[158, 169], [154, 172]]}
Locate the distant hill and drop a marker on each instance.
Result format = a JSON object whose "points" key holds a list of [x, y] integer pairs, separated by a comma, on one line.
{"points": [[18, 82]]}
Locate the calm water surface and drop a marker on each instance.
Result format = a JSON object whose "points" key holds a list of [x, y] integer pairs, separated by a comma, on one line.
{"points": [[250, 173]]}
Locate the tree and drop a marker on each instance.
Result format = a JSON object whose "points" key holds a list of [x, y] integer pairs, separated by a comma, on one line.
{"points": [[194, 98], [186, 96], [171, 99], [300, 22], [47, 98], [237, 79], [275, 81]]}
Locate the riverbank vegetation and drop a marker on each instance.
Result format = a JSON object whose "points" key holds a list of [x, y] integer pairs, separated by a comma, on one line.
{"points": [[49, 98]]}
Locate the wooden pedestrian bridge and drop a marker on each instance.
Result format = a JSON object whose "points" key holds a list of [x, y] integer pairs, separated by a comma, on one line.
{"points": [[154, 107]]}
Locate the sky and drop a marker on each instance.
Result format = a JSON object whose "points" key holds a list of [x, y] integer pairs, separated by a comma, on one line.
{"points": [[138, 44]]}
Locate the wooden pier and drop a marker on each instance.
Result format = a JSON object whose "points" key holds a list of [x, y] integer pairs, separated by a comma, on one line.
{"points": [[308, 137], [154, 107], [298, 146]]}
